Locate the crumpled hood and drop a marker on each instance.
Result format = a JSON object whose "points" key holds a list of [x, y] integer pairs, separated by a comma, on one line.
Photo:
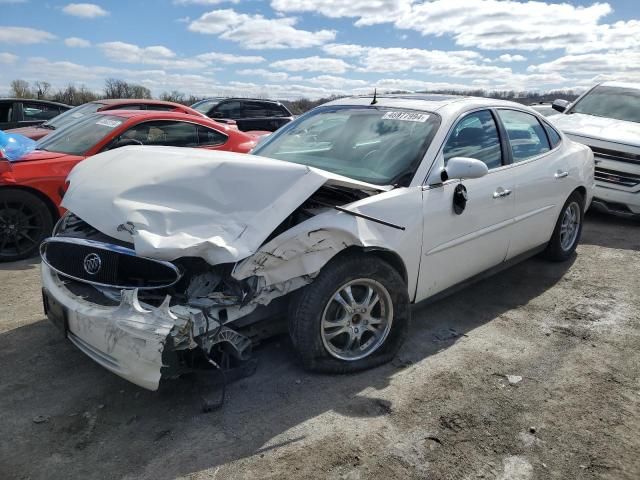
{"points": [[181, 202], [601, 128]]}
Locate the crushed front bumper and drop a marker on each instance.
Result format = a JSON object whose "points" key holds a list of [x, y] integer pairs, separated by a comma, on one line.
{"points": [[128, 339]]}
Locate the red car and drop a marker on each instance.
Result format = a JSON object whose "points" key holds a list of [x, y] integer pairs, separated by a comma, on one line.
{"points": [[38, 131], [31, 189]]}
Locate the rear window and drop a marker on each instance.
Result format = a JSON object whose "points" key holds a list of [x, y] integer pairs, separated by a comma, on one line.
{"points": [[73, 115], [526, 135]]}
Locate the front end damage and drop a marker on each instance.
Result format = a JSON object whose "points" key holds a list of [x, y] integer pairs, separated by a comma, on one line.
{"points": [[155, 274], [138, 321]]}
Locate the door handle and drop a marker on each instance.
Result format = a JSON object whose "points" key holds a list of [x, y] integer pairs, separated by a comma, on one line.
{"points": [[501, 193], [560, 174]]}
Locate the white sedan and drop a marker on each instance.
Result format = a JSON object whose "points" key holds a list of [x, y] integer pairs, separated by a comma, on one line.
{"points": [[172, 258]]}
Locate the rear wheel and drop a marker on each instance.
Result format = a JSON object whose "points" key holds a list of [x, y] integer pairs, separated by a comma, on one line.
{"points": [[25, 221], [566, 234], [354, 316]]}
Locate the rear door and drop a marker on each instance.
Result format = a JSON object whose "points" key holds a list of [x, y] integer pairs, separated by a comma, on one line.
{"points": [[540, 171], [457, 246]]}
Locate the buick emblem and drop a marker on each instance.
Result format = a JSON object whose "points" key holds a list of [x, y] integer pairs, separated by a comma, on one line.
{"points": [[92, 263]]}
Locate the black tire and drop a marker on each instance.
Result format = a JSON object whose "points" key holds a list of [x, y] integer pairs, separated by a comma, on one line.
{"points": [[556, 251], [25, 220], [308, 307]]}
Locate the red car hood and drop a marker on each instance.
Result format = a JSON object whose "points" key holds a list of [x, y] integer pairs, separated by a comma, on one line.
{"points": [[34, 133], [44, 155]]}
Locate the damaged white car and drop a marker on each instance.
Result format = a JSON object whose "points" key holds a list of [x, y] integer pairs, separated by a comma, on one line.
{"points": [[172, 257]]}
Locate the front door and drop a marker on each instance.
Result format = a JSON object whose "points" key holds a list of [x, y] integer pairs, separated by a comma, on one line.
{"points": [[457, 246]]}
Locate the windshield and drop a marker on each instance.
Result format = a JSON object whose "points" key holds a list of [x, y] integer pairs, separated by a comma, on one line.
{"points": [[372, 144], [203, 106], [610, 102], [72, 115], [79, 137]]}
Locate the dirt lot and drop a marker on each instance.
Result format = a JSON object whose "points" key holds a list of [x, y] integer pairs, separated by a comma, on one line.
{"points": [[444, 409]]}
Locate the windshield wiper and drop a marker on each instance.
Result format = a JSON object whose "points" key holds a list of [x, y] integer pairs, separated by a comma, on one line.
{"points": [[48, 127]]}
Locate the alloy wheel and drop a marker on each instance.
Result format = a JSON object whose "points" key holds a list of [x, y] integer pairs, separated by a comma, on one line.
{"points": [[357, 319]]}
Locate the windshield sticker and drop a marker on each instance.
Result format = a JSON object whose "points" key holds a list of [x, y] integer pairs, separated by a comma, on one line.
{"points": [[108, 123], [406, 116], [77, 115]]}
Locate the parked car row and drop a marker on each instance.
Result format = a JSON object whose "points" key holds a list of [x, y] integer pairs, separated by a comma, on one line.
{"points": [[168, 259]]}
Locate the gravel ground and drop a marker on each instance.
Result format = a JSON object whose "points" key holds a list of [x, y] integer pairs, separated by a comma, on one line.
{"points": [[531, 374]]}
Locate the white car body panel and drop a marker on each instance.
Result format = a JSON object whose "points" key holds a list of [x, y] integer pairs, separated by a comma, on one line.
{"points": [[221, 207], [609, 134]]}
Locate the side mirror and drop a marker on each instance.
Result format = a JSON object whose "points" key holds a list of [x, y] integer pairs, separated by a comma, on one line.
{"points": [[560, 105], [464, 168]]}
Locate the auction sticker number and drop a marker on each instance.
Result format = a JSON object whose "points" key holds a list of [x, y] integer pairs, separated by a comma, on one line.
{"points": [[406, 116], [108, 123]]}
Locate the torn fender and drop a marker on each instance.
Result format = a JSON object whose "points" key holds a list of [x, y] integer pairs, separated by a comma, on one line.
{"points": [[303, 250], [181, 202]]}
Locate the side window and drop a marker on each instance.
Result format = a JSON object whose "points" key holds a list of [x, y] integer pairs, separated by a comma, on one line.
{"points": [[255, 110], [160, 108], [39, 111], [554, 137], [526, 135], [209, 137], [230, 110], [475, 136], [274, 110], [176, 134], [6, 112], [130, 106]]}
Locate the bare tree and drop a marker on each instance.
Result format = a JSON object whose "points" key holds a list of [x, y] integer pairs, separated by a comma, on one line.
{"points": [[115, 88], [42, 89], [20, 89], [173, 96]]}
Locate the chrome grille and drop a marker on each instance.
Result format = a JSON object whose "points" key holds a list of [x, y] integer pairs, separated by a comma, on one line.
{"points": [[615, 155], [617, 178], [106, 265]]}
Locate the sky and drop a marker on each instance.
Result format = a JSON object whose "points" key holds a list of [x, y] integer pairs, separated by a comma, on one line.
{"points": [[290, 49]]}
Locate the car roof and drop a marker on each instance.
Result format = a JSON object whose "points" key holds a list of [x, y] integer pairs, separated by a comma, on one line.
{"points": [[35, 100], [164, 115], [635, 86], [426, 102], [127, 101], [220, 99]]}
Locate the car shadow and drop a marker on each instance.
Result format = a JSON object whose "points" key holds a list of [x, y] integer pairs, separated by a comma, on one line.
{"points": [[26, 264], [71, 418], [606, 230]]}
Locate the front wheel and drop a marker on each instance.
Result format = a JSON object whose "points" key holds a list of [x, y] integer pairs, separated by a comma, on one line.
{"points": [[25, 221], [354, 316], [566, 234]]}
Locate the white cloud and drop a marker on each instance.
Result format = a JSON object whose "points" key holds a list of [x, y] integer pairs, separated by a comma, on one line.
{"points": [[8, 58], [85, 10], [507, 58], [76, 42], [344, 50], [621, 64], [312, 64], [368, 11], [269, 75], [203, 2], [24, 35], [339, 83], [488, 24], [154, 55], [229, 58], [257, 32]]}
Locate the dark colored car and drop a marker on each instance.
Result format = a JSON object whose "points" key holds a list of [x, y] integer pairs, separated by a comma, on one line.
{"points": [[76, 113], [249, 114], [22, 112]]}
